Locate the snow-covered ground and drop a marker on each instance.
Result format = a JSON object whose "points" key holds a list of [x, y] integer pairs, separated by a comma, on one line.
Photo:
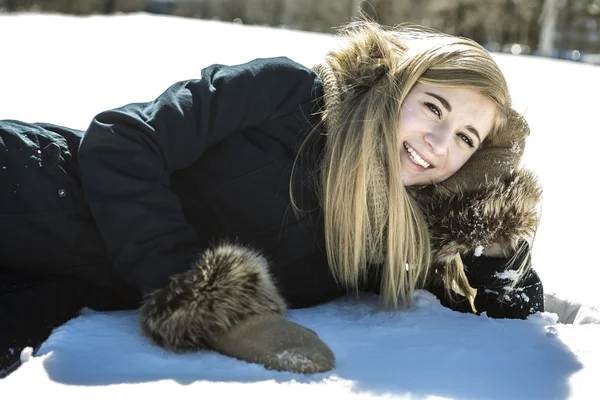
{"points": [[66, 69]]}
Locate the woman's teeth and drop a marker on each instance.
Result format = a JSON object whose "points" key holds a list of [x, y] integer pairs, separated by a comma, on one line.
{"points": [[415, 157]]}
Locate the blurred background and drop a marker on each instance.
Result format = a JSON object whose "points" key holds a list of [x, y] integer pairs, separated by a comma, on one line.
{"points": [[565, 29]]}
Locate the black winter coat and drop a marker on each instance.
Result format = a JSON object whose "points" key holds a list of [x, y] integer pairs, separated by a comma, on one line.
{"points": [[149, 186]]}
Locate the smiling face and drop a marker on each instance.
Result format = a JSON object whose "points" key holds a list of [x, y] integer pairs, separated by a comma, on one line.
{"points": [[439, 129]]}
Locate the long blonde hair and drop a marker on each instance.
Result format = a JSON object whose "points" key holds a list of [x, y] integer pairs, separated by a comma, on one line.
{"points": [[373, 71]]}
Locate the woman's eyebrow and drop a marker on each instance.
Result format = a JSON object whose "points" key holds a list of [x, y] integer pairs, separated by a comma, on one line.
{"points": [[472, 129], [441, 100]]}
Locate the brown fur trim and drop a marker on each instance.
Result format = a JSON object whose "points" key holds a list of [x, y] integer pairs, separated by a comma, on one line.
{"points": [[502, 211], [225, 287], [349, 72]]}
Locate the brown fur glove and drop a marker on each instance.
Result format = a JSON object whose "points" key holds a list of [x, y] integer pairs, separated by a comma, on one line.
{"points": [[228, 303]]}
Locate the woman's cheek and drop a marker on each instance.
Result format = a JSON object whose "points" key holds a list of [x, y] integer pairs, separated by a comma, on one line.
{"points": [[456, 166]]}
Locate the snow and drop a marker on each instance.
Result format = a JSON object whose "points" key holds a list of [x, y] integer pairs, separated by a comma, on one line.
{"points": [[424, 352], [507, 275], [64, 70]]}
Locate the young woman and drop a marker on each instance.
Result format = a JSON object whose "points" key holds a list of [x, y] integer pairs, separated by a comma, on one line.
{"points": [[391, 166]]}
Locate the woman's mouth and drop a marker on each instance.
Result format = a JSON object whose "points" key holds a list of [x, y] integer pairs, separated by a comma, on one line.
{"points": [[415, 157]]}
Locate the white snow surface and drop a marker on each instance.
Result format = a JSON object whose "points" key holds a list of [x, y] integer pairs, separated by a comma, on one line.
{"points": [[65, 69]]}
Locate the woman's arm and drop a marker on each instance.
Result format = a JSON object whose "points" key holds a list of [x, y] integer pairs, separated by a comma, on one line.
{"points": [[503, 211], [127, 155]]}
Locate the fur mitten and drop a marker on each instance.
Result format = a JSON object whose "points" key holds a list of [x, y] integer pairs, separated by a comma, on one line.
{"points": [[227, 302], [499, 154]]}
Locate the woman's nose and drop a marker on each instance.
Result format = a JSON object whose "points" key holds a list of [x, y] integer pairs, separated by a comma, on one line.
{"points": [[439, 140]]}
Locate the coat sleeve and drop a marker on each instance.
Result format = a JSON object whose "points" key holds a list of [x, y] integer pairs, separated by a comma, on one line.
{"points": [[127, 155], [493, 278]]}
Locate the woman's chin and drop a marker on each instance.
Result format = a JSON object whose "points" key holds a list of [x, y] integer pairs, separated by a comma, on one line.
{"points": [[409, 180]]}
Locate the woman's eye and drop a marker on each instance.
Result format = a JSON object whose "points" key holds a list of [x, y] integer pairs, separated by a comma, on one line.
{"points": [[466, 139], [434, 109]]}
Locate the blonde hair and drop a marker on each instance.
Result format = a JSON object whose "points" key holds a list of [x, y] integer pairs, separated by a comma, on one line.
{"points": [[374, 71]]}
